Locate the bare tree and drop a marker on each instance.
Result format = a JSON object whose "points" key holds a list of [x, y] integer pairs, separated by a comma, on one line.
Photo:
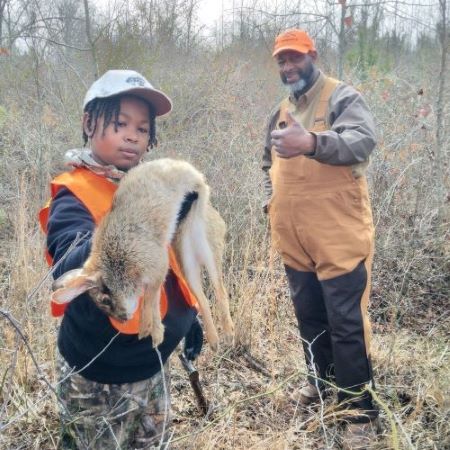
{"points": [[2, 12], [89, 37], [191, 7], [341, 36], [441, 143]]}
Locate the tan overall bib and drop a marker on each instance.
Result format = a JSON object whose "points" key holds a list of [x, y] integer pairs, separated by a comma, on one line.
{"points": [[320, 215]]}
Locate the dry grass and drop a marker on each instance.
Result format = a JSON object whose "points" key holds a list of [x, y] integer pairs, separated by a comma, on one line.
{"points": [[221, 104]]}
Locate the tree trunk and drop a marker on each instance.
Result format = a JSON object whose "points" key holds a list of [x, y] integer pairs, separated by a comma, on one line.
{"points": [[89, 37], [341, 53], [441, 150], [2, 9]]}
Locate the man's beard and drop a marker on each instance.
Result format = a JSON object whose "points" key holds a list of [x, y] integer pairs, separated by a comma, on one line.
{"points": [[297, 86], [304, 81]]}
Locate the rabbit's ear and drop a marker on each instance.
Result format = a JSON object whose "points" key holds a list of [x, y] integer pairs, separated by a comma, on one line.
{"points": [[65, 278], [72, 284]]}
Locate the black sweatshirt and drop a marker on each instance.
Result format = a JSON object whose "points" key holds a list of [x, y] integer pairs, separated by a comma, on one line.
{"points": [[85, 330]]}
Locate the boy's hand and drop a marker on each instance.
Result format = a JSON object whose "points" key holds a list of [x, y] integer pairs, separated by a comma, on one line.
{"points": [[193, 342], [293, 140]]}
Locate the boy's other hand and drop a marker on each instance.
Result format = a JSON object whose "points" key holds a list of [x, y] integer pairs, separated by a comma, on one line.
{"points": [[193, 342]]}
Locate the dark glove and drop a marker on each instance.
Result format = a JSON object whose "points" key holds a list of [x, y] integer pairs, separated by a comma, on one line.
{"points": [[193, 342]]}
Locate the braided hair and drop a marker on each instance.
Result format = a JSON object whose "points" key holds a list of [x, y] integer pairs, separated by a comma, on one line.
{"points": [[109, 109]]}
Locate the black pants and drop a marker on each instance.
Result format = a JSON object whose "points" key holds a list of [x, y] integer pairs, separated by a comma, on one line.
{"points": [[329, 315]]}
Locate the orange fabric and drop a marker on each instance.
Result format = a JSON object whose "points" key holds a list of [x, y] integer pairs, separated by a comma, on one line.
{"points": [[96, 193], [57, 309], [296, 40], [132, 326]]}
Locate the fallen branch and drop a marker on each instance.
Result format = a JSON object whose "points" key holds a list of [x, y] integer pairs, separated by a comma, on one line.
{"points": [[253, 362]]}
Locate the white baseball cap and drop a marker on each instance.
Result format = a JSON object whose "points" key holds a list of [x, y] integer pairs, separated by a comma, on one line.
{"points": [[116, 82]]}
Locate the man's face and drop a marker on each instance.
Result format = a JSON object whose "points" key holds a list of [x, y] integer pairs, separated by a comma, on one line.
{"points": [[295, 68], [125, 147]]}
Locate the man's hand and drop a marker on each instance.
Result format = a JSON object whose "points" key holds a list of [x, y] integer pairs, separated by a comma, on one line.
{"points": [[293, 140], [193, 342]]}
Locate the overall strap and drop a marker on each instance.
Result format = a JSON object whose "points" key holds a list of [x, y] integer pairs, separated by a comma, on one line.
{"points": [[322, 107]]}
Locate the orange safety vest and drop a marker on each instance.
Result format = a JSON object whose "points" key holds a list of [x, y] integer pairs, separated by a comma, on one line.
{"points": [[96, 193]]}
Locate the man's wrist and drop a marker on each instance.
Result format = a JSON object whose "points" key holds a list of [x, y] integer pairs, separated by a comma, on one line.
{"points": [[310, 147]]}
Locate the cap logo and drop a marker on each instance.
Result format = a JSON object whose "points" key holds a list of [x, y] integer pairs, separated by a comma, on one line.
{"points": [[136, 81]]}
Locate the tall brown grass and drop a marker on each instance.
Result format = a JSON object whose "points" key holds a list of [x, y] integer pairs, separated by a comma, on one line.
{"points": [[221, 105]]}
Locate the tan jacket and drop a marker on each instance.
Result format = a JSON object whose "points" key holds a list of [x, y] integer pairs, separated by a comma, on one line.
{"points": [[350, 139]]}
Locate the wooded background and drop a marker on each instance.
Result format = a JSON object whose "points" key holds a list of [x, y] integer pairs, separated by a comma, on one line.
{"points": [[224, 83]]}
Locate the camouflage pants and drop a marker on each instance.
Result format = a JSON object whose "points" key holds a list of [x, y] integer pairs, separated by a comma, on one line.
{"points": [[111, 416]]}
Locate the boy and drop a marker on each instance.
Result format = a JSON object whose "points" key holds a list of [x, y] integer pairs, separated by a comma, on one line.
{"points": [[110, 382]]}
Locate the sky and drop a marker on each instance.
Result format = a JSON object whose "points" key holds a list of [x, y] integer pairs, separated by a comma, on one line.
{"points": [[209, 11]]}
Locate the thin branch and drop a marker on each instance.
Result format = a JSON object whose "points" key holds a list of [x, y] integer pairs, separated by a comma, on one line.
{"points": [[316, 384], [52, 41], [42, 376], [243, 401], [89, 36], [78, 238], [166, 398], [10, 373]]}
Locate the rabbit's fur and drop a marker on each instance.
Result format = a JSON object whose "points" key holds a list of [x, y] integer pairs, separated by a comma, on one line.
{"points": [[129, 255]]}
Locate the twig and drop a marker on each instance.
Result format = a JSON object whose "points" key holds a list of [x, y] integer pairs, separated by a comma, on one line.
{"points": [[239, 402], [42, 377], [111, 431], [11, 370], [390, 416], [52, 41], [166, 399], [253, 363], [316, 384], [390, 194], [76, 372], [78, 238]]}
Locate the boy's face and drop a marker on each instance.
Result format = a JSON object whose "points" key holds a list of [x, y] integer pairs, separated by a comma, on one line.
{"points": [[125, 147]]}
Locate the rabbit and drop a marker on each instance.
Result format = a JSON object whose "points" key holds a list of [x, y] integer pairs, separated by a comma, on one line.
{"points": [[158, 203]]}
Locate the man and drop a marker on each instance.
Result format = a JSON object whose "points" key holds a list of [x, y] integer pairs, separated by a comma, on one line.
{"points": [[318, 144]]}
